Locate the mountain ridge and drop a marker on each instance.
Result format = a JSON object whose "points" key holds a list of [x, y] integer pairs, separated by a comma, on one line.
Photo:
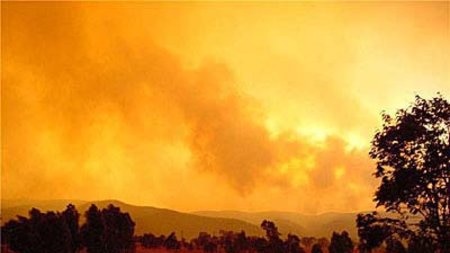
{"points": [[188, 224]]}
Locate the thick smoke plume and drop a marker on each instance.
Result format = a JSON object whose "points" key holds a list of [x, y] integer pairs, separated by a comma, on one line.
{"points": [[94, 108]]}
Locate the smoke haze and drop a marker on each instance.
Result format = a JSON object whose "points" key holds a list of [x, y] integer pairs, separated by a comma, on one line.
{"points": [[172, 105]]}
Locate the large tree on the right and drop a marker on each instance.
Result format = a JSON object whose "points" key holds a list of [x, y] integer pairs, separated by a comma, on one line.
{"points": [[412, 154]]}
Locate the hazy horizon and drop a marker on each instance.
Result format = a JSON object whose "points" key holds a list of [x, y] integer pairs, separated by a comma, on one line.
{"points": [[210, 106], [70, 201]]}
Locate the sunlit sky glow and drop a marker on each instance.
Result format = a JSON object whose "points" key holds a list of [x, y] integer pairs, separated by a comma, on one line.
{"points": [[194, 106]]}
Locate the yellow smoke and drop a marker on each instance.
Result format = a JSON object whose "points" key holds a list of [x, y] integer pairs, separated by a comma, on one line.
{"points": [[209, 106]]}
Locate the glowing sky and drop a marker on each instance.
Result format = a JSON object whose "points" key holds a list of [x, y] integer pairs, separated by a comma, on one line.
{"points": [[193, 106]]}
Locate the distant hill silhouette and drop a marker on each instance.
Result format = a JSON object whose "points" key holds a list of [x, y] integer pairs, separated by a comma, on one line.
{"points": [[164, 221], [321, 225], [148, 219]]}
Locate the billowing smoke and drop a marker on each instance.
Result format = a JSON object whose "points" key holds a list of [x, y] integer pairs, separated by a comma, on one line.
{"points": [[92, 108]]}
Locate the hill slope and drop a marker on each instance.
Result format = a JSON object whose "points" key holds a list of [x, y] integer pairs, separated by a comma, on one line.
{"points": [[188, 225], [321, 225], [147, 219]]}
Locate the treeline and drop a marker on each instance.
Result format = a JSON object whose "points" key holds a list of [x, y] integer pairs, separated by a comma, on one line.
{"points": [[109, 230], [105, 231], [239, 242]]}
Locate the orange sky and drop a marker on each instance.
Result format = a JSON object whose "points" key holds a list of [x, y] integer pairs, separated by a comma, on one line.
{"points": [[193, 106]]}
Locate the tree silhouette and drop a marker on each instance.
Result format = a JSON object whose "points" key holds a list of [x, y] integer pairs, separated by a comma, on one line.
{"points": [[292, 244], [206, 242], [55, 233], [119, 229], [171, 242], [412, 152], [340, 243], [19, 236], [41, 232], [395, 246], [148, 240], [107, 231], [316, 248], [210, 246], [241, 242], [72, 217], [271, 230], [275, 244], [259, 244], [323, 242], [420, 244], [373, 230], [228, 241], [92, 231], [308, 241]]}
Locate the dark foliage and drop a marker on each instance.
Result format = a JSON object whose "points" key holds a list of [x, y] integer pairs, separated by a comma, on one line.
{"points": [[412, 151], [309, 241], [107, 231], [171, 242], [316, 248], [148, 240], [292, 244], [72, 217], [232, 242], [340, 243], [275, 244], [92, 232], [42, 232], [206, 242], [259, 244], [395, 246], [421, 244], [373, 230]]}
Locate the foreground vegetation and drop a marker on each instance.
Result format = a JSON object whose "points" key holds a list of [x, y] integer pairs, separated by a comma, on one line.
{"points": [[112, 231], [412, 152]]}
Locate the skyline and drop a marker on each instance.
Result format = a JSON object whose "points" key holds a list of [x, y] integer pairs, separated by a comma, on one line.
{"points": [[210, 106]]}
